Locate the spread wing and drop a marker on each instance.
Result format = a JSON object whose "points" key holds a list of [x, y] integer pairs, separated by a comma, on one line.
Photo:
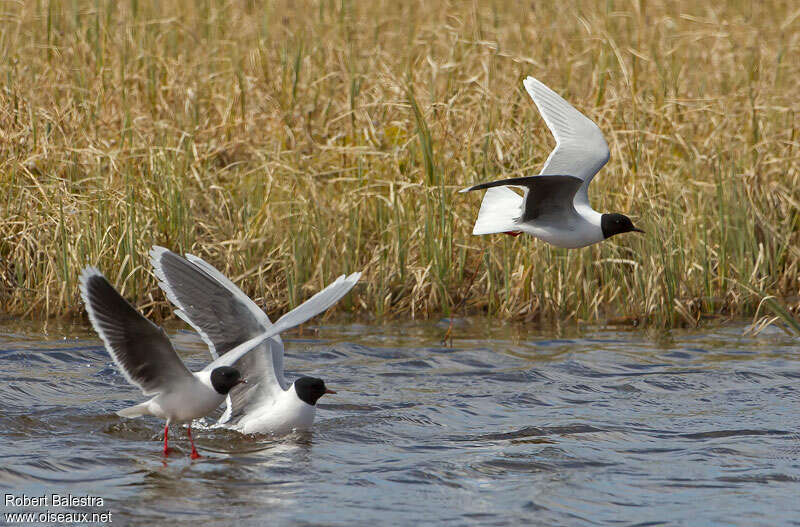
{"points": [[308, 309], [225, 318], [581, 150], [233, 325], [140, 348]]}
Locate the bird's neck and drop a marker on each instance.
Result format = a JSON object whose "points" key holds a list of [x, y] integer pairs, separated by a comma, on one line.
{"points": [[589, 214], [204, 377]]}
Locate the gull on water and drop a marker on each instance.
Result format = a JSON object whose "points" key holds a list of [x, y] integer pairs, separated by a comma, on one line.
{"points": [[226, 318], [145, 356]]}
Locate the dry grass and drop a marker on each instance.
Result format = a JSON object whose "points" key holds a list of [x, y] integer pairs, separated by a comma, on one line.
{"points": [[289, 142]]}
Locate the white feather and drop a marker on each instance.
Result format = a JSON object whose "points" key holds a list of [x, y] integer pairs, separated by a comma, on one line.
{"points": [[500, 209], [308, 309]]}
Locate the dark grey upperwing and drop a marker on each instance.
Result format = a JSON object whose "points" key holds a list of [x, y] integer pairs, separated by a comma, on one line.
{"points": [[547, 197], [140, 348]]}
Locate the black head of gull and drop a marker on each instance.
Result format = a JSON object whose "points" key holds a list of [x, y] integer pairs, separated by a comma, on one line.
{"points": [[616, 224], [310, 389], [224, 378]]}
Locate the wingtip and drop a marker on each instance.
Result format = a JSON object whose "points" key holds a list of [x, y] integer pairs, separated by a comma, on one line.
{"points": [[531, 80], [87, 273], [155, 260], [535, 88], [156, 252]]}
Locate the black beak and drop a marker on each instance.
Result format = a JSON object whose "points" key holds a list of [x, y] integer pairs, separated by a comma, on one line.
{"points": [[637, 230]]}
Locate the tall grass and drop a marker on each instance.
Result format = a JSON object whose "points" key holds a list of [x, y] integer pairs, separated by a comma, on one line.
{"points": [[289, 142]]}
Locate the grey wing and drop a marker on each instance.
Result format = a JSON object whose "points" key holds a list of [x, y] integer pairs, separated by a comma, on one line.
{"points": [[222, 314], [140, 348], [310, 308], [318, 303], [275, 343], [225, 318], [581, 150], [244, 397]]}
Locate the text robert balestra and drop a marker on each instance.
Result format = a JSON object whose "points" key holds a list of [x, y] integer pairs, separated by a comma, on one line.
{"points": [[53, 500]]}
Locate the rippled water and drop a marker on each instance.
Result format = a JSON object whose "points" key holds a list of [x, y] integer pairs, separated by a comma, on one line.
{"points": [[512, 425]]}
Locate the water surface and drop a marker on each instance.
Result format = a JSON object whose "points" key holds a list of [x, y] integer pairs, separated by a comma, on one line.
{"points": [[512, 425]]}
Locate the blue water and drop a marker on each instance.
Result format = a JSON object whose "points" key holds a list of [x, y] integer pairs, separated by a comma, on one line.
{"points": [[512, 425]]}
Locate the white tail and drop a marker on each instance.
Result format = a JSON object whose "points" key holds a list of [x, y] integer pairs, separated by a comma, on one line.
{"points": [[500, 209], [136, 411]]}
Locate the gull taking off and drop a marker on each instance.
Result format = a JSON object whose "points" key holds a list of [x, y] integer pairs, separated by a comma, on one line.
{"points": [[226, 318], [555, 205], [146, 358]]}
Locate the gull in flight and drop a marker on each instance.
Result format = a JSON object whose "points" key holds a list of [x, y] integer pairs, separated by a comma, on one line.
{"points": [[554, 206]]}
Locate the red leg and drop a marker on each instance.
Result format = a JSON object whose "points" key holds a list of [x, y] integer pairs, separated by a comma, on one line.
{"points": [[195, 455], [513, 233], [166, 433]]}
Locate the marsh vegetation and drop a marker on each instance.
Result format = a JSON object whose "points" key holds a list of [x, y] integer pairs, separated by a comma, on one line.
{"points": [[289, 142]]}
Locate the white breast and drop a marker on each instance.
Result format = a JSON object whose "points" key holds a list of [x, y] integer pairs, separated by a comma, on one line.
{"points": [[580, 231], [286, 413], [187, 401]]}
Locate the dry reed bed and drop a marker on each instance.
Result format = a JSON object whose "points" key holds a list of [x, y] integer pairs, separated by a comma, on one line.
{"points": [[289, 142]]}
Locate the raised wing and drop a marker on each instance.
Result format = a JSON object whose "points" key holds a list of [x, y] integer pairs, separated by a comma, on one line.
{"points": [[581, 150], [140, 348], [308, 309], [225, 318], [238, 333], [318, 303], [222, 314]]}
